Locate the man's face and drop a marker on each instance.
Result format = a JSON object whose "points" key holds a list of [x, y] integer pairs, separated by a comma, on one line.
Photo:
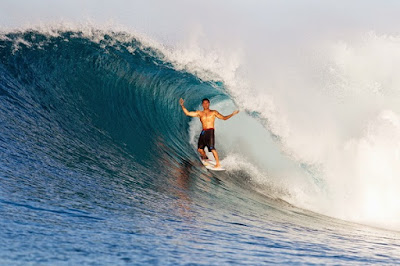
{"points": [[206, 104]]}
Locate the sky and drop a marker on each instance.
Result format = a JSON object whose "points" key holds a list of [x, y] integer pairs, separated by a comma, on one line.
{"points": [[173, 20]]}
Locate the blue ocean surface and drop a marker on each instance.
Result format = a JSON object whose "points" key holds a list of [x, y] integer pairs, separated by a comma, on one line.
{"points": [[96, 167]]}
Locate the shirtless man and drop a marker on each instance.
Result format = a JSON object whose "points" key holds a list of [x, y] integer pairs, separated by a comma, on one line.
{"points": [[207, 118]]}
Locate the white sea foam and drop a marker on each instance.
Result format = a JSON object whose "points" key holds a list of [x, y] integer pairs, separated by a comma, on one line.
{"points": [[343, 125]]}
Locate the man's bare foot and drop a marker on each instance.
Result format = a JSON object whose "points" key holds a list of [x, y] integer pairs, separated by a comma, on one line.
{"points": [[217, 165], [205, 162]]}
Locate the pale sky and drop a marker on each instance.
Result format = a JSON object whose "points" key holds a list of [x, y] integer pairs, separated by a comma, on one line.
{"points": [[237, 19]]}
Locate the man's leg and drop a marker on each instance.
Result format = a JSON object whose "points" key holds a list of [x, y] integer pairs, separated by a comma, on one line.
{"points": [[215, 153], [202, 154]]}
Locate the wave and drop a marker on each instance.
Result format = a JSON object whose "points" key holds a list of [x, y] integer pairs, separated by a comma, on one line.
{"points": [[101, 102], [66, 88], [105, 103]]}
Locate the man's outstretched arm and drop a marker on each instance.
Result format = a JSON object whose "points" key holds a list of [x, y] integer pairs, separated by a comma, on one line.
{"points": [[218, 115], [188, 113]]}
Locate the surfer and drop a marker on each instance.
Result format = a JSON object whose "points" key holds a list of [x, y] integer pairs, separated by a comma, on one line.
{"points": [[207, 118]]}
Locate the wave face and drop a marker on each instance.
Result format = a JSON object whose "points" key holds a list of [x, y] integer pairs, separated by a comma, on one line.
{"points": [[71, 96], [99, 163]]}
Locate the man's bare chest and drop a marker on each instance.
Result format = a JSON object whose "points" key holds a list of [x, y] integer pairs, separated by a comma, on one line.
{"points": [[207, 116]]}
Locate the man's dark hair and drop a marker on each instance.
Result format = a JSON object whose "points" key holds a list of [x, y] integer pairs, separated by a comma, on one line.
{"points": [[205, 99]]}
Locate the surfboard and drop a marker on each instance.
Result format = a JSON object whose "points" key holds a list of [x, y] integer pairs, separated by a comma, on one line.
{"points": [[210, 165]]}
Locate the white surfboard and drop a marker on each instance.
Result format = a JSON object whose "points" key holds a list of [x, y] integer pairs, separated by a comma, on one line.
{"points": [[210, 165]]}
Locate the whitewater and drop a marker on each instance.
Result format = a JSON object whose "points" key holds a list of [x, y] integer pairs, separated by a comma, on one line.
{"points": [[99, 164]]}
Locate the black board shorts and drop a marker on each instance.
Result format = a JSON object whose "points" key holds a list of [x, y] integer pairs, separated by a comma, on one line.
{"points": [[206, 139]]}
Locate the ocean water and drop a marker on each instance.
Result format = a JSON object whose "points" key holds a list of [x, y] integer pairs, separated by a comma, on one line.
{"points": [[99, 165]]}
